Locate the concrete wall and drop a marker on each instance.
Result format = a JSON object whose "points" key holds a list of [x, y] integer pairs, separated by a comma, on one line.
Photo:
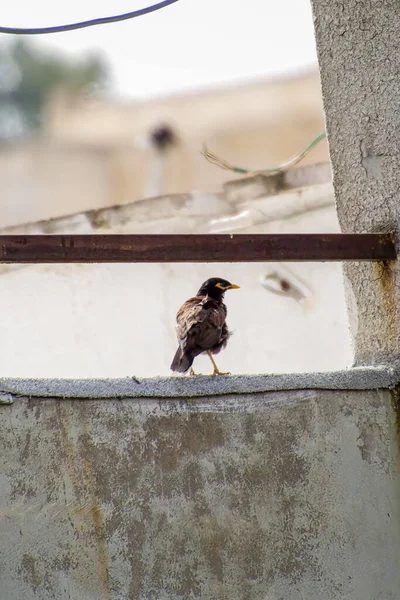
{"points": [[204, 493], [358, 47]]}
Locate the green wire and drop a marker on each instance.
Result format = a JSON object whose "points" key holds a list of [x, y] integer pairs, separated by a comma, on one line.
{"points": [[292, 161]]}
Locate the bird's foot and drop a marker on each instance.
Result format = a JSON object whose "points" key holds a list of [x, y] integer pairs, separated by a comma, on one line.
{"points": [[218, 372], [191, 372]]}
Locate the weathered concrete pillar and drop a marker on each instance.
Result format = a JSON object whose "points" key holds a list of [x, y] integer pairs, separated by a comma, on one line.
{"points": [[358, 47]]}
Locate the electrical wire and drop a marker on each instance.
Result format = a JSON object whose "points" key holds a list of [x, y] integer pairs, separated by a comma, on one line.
{"points": [[82, 24], [223, 164]]}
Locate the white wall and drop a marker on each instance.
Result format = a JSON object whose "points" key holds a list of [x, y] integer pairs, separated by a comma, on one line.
{"points": [[118, 320]]}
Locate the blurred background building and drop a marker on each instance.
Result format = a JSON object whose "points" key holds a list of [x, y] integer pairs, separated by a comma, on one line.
{"points": [[93, 152]]}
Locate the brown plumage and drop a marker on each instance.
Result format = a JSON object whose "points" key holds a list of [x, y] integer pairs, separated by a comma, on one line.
{"points": [[201, 325]]}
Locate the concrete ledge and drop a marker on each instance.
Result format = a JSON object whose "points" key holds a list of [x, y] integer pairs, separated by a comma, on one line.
{"points": [[356, 378]]}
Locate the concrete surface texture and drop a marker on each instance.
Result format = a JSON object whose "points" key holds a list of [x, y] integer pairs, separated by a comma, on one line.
{"points": [[359, 47], [355, 378], [279, 495]]}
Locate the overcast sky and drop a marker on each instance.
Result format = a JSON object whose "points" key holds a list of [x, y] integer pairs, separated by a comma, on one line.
{"points": [[190, 44]]}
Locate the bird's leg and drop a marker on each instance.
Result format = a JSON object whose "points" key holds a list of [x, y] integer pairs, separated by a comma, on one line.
{"points": [[216, 370], [191, 372]]}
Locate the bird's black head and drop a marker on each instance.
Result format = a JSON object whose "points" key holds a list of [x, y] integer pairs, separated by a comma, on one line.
{"points": [[216, 288]]}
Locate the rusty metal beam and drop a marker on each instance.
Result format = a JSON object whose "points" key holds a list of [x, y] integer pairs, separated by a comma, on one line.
{"points": [[113, 248]]}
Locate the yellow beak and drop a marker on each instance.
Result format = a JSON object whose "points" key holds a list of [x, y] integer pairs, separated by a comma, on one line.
{"points": [[233, 286]]}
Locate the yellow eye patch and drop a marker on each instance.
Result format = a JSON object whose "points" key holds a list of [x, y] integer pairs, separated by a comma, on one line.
{"points": [[231, 286]]}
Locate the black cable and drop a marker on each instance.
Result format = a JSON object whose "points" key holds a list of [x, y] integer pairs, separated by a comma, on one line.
{"points": [[82, 24]]}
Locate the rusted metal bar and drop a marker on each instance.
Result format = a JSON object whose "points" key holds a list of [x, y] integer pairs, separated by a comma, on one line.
{"points": [[113, 248]]}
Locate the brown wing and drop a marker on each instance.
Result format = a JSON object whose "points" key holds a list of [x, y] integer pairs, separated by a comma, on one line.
{"points": [[200, 324]]}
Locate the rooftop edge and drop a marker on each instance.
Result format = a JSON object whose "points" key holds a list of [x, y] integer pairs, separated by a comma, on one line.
{"points": [[353, 378]]}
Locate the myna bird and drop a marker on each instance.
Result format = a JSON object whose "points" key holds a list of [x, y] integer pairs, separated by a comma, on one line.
{"points": [[201, 325]]}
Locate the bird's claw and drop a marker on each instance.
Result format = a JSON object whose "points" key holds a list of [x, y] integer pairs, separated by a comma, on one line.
{"points": [[218, 372], [191, 372]]}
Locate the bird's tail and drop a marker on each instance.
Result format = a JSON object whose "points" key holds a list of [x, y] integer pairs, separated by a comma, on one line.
{"points": [[182, 362]]}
